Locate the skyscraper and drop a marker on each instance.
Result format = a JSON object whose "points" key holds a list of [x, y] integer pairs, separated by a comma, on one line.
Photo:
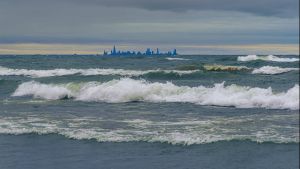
{"points": [[174, 52], [114, 52]]}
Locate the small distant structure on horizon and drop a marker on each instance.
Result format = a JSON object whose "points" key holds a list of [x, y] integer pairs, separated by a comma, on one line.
{"points": [[148, 52]]}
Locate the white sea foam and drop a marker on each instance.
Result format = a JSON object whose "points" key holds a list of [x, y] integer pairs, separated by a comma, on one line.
{"points": [[271, 70], [85, 72], [128, 90], [177, 58], [45, 91], [266, 58], [184, 131]]}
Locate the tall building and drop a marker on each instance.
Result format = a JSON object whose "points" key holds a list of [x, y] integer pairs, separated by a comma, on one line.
{"points": [[148, 51], [114, 52], [174, 52]]}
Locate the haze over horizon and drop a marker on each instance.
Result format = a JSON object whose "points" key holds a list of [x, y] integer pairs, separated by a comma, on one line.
{"points": [[191, 26]]}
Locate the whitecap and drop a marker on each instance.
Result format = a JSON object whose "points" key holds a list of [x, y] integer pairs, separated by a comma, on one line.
{"points": [[85, 72], [272, 70], [266, 58], [129, 90], [45, 91], [173, 58]]}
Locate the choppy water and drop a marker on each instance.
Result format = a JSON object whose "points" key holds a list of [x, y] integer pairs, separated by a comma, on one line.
{"points": [[196, 105]]}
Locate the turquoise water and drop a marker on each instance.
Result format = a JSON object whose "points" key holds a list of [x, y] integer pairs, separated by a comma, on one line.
{"points": [[151, 112]]}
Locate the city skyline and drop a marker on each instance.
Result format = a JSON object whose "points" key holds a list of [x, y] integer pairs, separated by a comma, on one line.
{"points": [[148, 52]]}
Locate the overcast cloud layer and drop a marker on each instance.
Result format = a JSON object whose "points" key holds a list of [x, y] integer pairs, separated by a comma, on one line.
{"points": [[161, 22], [283, 8]]}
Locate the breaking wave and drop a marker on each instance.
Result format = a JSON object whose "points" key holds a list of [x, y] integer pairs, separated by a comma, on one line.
{"points": [[271, 70], [129, 90], [86, 72], [266, 58]]}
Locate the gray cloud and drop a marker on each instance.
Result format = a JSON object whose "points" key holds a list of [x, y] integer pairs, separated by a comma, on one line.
{"points": [[145, 21], [280, 8]]}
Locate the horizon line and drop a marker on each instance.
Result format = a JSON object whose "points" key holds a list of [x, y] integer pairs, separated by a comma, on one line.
{"points": [[188, 49]]}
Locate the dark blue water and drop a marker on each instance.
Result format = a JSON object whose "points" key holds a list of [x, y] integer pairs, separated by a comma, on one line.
{"points": [[148, 112], [52, 151]]}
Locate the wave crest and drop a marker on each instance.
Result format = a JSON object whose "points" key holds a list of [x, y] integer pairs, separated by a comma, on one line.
{"points": [[182, 59], [86, 72], [216, 67], [266, 58], [45, 91], [272, 70], [129, 90]]}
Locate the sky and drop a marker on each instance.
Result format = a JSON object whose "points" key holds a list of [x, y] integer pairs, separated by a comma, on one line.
{"points": [[191, 26]]}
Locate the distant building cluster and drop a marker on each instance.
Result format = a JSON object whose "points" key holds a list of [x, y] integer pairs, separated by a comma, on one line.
{"points": [[148, 52]]}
